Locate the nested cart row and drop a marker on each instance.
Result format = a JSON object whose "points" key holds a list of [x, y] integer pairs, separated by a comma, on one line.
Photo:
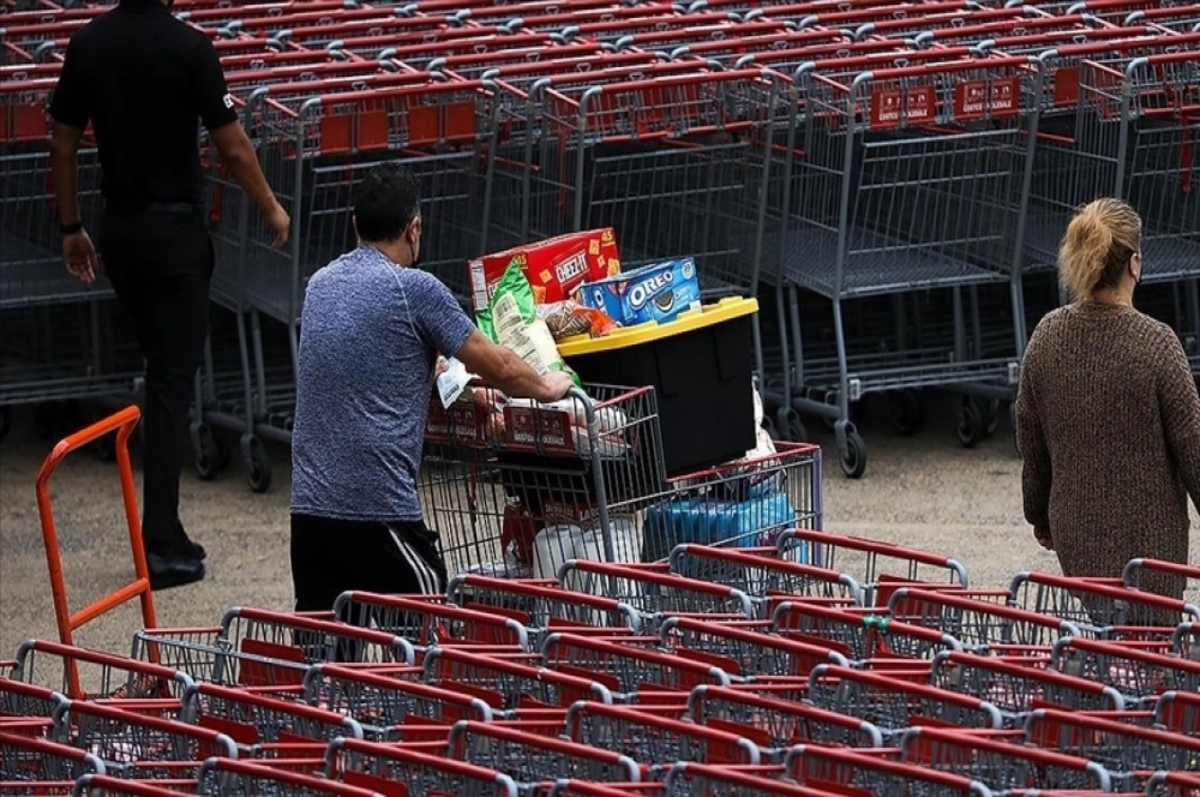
{"points": [[782, 661]]}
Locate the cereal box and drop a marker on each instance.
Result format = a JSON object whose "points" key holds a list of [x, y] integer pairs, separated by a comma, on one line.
{"points": [[554, 267], [658, 292]]}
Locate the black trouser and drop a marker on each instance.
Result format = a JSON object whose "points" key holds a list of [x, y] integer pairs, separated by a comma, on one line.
{"points": [[160, 263], [331, 556]]}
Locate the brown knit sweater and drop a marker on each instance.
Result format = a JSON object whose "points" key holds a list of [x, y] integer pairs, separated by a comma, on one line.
{"points": [[1108, 425]]}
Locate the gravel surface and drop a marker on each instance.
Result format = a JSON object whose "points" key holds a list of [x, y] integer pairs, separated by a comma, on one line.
{"points": [[925, 491]]}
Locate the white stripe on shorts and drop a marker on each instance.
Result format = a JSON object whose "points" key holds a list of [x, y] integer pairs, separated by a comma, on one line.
{"points": [[427, 580]]}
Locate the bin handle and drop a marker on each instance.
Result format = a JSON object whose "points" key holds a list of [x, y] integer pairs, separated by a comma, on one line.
{"points": [[122, 423]]}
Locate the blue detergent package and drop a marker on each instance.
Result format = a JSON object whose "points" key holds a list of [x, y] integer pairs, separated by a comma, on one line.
{"points": [[758, 520], [658, 292]]}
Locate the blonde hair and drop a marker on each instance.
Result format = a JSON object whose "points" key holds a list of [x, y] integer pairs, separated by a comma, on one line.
{"points": [[1095, 251]]}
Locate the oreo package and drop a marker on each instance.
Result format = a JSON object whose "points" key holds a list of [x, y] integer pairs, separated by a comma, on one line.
{"points": [[658, 292]]}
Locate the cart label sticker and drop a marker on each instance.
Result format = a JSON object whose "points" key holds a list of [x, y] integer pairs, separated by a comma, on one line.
{"points": [[899, 107], [538, 429], [977, 99]]}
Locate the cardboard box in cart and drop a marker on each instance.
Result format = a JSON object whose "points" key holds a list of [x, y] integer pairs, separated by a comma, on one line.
{"points": [[554, 267], [700, 368]]}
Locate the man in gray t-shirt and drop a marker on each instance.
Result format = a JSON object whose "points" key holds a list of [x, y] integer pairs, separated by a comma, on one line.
{"points": [[370, 333]]}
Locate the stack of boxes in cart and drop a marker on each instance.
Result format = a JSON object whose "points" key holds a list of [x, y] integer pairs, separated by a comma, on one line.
{"points": [[566, 303]]}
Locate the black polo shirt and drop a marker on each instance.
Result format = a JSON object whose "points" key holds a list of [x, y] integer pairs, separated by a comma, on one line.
{"points": [[145, 80]]}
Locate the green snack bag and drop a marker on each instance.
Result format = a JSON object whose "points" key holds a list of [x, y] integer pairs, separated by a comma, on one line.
{"points": [[512, 320]]}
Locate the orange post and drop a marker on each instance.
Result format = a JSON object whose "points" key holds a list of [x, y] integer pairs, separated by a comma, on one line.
{"points": [[123, 423]]}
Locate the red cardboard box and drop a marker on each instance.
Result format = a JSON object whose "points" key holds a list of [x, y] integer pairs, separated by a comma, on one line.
{"points": [[555, 267]]}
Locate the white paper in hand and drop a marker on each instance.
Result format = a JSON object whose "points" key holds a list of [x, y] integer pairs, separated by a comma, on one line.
{"points": [[453, 381]]}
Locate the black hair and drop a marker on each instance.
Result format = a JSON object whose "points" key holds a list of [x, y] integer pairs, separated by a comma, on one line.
{"points": [[387, 201]]}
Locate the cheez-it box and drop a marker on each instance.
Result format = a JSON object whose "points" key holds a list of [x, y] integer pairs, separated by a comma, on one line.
{"points": [[554, 267]]}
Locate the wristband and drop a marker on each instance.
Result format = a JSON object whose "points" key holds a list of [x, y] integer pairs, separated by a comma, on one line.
{"points": [[71, 229]]}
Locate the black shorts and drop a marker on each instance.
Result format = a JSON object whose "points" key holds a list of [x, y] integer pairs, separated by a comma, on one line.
{"points": [[331, 556]]}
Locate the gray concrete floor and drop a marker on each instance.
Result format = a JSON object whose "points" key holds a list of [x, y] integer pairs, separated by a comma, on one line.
{"points": [[925, 491]]}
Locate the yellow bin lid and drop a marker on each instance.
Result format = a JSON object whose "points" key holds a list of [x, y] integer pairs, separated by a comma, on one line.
{"points": [[687, 321]]}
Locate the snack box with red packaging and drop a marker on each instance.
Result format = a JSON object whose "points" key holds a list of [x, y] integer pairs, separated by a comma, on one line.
{"points": [[554, 267]]}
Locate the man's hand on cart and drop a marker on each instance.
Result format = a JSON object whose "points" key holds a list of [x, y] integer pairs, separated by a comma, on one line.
{"points": [[557, 384], [500, 367], [280, 223]]}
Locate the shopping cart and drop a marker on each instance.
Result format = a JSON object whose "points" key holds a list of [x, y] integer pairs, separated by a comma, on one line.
{"points": [[894, 705], [1102, 610], [836, 769], [984, 626], [31, 762], [765, 577], [879, 567], [136, 745], [425, 621], [386, 705], [1016, 688], [91, 674], [657, 594], [867, 638], [1128, 751], [521, 494], [529, 758], [745, 652], [222, 777], [270, 651], [781, 723], [265, 727], [512, 685], [384, 767], [1000, 763], [1138, 675], [690, 778], [107, 786]]}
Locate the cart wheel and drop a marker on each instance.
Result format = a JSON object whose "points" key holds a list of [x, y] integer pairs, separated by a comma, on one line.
{"points": [[907, 413], [797, 431], [211, 457], [992, 416], [971, 422], [258, 464], [792, 428], [853, 455], [5, 421]]}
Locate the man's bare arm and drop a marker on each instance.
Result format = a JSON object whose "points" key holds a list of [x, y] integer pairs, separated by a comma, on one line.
{"points": [[500, 367], [64, 149], [237, 152]]}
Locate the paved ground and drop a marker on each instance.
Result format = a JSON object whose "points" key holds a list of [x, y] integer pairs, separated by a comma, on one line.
{"points": [[924, 491]]}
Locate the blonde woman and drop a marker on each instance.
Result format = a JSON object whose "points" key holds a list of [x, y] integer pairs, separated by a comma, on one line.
{"points": [[1108, 417]]}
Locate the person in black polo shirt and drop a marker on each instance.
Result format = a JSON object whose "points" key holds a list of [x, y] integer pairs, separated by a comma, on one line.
{"points": [[145, 81]]}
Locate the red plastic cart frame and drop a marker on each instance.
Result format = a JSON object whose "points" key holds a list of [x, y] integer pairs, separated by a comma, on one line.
{"points": [[122, 423]]}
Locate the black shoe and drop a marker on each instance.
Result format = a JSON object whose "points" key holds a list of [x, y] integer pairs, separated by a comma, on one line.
{"points": [[195, 550], [173, 570]]}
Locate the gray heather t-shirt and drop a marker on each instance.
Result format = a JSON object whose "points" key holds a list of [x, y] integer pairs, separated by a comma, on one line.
{"points": [[370, 332]]}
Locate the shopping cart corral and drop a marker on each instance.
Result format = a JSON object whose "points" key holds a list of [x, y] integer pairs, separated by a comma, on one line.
{"points": [[920, 192], [61, 340]]}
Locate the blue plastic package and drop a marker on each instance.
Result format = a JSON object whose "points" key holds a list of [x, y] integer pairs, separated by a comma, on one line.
{"points": [[658, 292], [757, 521]]}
